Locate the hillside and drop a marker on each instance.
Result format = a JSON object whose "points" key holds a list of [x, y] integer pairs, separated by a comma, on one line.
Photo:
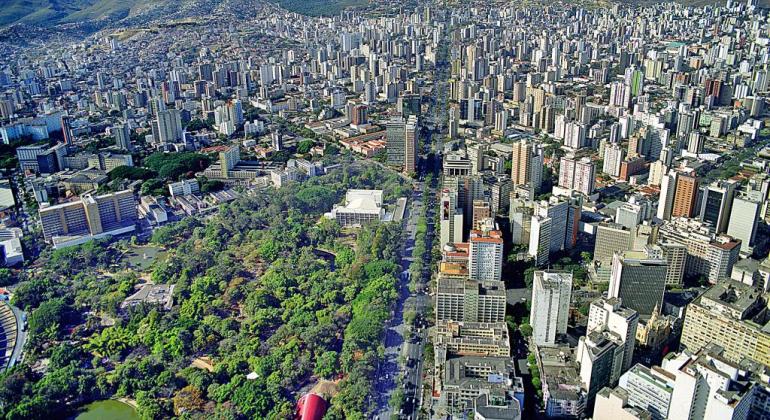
{"points": [[36, 12], [53, 12]]}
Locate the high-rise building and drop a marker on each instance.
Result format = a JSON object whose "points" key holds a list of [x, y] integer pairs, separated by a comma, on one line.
{"points": [[395, 136], [66, 129], [613, 156], [685, 195], [168, 126], [359, 115], [450, 219], [675, 255], [577, 174], [485, 260], [551, 292], [609, 314], [91, 216], [540, 239], [481, 211], [411, 144], [122, 135], [638, 279], [744, 218], [717, 202], [527, 165], [687, 386], [667, 193], [610, 238], [600, 355], [402, 142], [708, 254], [460, 299]]}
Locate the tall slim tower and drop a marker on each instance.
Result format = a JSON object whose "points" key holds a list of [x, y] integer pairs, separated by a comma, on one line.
{"points": [[551, 292], [66, 129]]}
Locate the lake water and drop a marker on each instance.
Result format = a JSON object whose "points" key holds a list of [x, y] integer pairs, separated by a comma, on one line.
{"points": [[108, 409]]}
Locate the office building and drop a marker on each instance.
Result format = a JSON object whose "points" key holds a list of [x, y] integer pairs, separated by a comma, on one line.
{"points": [[609, 314], [66, 128], [464, 379], [716, 204], [600, 355], [89, 217], [685, 195], [396, 141], [481, 211], [411, 145], [450, 219], [460, 299], [485, 261], [732, 315], [638, 279], [687, 386], [551, 292], [676, 257], [458, 338], [708, 254], [744, 219], [540, 239]]}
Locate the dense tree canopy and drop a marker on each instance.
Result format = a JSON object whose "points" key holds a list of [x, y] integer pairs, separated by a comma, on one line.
{"points": [[266, 286]]}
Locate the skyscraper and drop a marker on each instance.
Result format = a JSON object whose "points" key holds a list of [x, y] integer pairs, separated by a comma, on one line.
{"points": [[717, 203], [551, 292], [485, 259], [744, 218], [66, 129], [577, 174], [685, 195], [639, 279], [527, 165], [411, 144], [450, 219], [122, 135], [168, 126], [396, 136]]}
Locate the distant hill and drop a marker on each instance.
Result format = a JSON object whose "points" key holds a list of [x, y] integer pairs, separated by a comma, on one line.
{"points": [[48, 12], [319, 7], [53, 12]]}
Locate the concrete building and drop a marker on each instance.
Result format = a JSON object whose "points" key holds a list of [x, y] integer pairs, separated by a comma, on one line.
{"points": [[90, 217], [485, 261], [459, 299], [685, 195], [608, 314], [732, 315], [361, 207], [744, 218], [577, 174], [563, 393], [184, 187], [551, 292], [717, 202], [639, 279], [457, 338], [708, 254], [450, 219]]}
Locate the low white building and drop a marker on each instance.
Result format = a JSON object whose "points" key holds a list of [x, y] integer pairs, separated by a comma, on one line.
{"points": [[361, 207]]}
